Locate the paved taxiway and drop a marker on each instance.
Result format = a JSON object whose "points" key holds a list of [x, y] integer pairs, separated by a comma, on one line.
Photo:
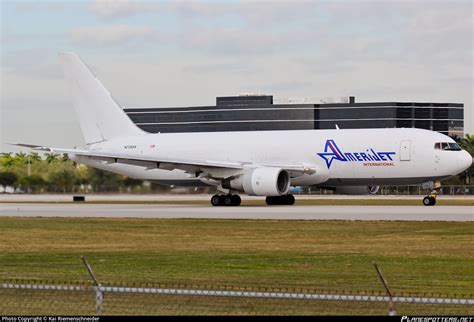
{"points": [[415, 213]]}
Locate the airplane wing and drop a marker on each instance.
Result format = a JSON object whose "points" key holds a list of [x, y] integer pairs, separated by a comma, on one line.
{"points": [[163, 163]]}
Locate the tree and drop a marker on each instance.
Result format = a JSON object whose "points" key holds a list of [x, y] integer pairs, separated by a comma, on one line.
{"points": [[20, 158], [64, 157], [7, 161], [103, 181], [130, 183], [52, 158], [32, 183], [34, 157], [63, 179], [467, 144], [82, 173], [7, 179]]}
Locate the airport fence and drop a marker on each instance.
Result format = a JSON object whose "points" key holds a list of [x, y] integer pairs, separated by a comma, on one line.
{"points": [[418, 190], [60, 298], [415, 190]]}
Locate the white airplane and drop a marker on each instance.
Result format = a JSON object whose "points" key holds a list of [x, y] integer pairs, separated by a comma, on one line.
{"points": [[257, 163]]}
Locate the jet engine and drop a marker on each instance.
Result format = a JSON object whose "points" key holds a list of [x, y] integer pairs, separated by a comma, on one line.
{"points": [[265, 181], [357, 190]]}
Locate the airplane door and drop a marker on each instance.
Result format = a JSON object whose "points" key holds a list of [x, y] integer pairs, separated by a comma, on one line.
{"points": [[405, 151]]}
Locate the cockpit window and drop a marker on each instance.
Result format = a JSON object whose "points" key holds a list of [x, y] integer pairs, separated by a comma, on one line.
{"points": [[447, 146]]}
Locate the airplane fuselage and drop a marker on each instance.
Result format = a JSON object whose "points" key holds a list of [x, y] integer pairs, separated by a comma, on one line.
{"points": [[338, 157]]}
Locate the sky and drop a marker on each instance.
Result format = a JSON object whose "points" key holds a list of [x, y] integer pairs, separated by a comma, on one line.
{"points": [[185, 53]]}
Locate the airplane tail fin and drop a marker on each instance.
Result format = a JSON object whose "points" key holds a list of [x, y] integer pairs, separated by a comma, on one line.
{"points": [[100, 117]]}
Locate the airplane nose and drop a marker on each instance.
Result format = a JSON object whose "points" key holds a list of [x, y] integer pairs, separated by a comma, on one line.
{"points": [[464, 161]]}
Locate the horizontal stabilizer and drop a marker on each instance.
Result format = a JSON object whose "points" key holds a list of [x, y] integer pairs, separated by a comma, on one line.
{"points": [[31, 146]]}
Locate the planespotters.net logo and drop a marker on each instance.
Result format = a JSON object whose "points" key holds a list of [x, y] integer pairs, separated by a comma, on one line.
{"points": [[437, 319], [369, 158]]}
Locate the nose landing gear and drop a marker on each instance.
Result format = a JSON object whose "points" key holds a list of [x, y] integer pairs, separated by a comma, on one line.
{"points": [[430, 200]]}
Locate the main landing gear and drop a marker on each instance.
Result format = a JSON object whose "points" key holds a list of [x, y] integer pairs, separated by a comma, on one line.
{"points": [[226, 200], [234, 200], [430, 200], [280, 200]]}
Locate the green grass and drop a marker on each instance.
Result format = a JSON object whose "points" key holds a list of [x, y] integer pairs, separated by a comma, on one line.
{"points": [[317, 256]]}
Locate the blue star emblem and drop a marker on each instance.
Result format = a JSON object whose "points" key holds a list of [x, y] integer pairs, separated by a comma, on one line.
{"points": [[331, 153]]}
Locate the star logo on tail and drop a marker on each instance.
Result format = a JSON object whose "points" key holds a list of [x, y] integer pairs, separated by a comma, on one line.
{"points": [[331, 153]]}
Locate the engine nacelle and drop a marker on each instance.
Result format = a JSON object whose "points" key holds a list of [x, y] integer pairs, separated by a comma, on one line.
{"points": [[357, 190], [265, 181]]}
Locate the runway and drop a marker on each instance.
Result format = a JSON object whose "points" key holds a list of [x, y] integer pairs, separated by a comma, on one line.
{"points": [[405, 213]]}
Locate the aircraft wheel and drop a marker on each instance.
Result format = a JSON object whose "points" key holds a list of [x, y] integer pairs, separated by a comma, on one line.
{"points": [[280, 200], [216, 200], [429, 201], [228, 201], [270, 201], [290, 200], [236, 200]]}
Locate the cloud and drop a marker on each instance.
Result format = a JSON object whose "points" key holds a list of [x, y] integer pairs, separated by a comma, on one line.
{"points": [[287, 86], [111, 9], [219, 67], [114, 34], [261, 13], [227, 41], [376, 50], [246, 41], [12, 38], [272, 13], [415, 31], [442, 33], [37, 64], [27, 7]]}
